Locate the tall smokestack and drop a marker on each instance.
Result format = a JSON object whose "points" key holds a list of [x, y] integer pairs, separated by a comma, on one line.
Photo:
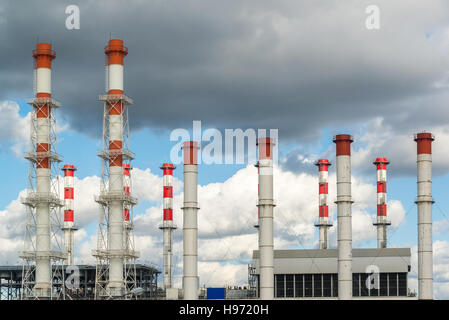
{"points": [[344, 202], [167, 226], [115, 269], [381, 222], [115, 53], [424, 202], [323, 219], [190, 228], [266, 205], [43, 56], [69, 227]]}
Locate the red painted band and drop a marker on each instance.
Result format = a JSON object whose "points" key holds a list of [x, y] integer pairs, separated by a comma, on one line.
{"points": [[168, 192], [382, 210], [168, 214], [343, 144], [424, 143], [324, 211], [323, 187], [68, 193], [68, 215], [190, 152], [381, 186]]}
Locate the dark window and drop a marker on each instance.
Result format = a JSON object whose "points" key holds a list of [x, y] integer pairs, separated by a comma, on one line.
{"points": [[280, 286], [363, 287], [299, 290], [355, 285], [289, 285], [402, 279], [383, 284], [317, 285], [393, 284], [327, 280], [335, 285], [307, 285]]}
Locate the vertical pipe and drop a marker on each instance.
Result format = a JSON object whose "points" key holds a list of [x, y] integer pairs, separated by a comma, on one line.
{"points": [[266, 205], [43, 56], [167, 224], [424, 202], [344, 202], [69, 228], [323, 218], [115, 52], [381, 221], [126, 188], [126, 223], [190, 228]]}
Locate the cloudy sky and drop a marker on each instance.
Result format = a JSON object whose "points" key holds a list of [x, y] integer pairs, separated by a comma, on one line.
{"points": [[309, 69]]}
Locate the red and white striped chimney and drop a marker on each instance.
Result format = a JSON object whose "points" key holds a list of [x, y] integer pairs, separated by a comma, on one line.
{"points": [[167, 225], [424, 202], [323, 218], [115, 54], [344, 203], [43, 56], [69, 227], [381, 222]]}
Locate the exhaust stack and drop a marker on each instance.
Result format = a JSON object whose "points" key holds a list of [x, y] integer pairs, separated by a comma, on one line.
{"points": [[323, 219], [424, 202], [168, 226], [266, 205], [190, 227], [344, 203], [69, 226], [381, 222], [42, 199]]}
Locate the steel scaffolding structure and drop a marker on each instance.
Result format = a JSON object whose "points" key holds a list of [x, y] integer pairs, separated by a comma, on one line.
{"points": [[104, 253], [146, 279], [34, 199]]}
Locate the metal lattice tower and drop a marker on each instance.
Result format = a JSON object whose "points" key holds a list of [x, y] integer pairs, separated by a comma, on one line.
{"points": [[42, 274], [115, 254]]}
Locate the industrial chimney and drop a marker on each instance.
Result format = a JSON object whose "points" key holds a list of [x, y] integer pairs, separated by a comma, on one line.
{"points": [[190, 227], [42, 200], [266, 205], [424, 202], [167, 226], [323, 218], [69, 227], [115, 256], [344, 202], [381, 222]]}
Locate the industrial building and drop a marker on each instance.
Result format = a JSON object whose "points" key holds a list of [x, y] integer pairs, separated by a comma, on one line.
{"points": [[313, 273], [11, 282]]}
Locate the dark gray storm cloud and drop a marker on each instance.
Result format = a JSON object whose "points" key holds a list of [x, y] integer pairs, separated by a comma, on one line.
{"points": [[299, 66]]}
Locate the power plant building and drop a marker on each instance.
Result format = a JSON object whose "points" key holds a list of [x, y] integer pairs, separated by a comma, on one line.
{"points": [[313, 273]]}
